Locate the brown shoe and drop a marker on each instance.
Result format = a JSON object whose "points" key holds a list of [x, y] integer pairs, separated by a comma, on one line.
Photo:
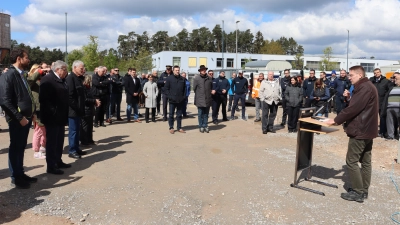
{"points": [[171, 131], [138, 121], [109, 121], [182, 131]]}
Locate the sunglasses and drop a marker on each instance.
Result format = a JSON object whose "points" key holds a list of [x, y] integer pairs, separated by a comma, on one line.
{"points": [[116, 70]]}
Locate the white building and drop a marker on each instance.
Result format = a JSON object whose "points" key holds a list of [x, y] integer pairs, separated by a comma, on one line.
{"points": [[191, 61]]}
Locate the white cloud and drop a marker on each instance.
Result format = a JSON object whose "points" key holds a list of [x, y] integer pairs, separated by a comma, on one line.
{"points": [[314, 24]]}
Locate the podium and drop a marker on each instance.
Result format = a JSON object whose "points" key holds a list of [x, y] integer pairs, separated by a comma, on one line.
{"points": [[307, 126]]}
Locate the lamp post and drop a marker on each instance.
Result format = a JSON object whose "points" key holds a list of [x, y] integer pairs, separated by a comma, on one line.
{"points": [[236, 41], [223, 60], [66, 52], [348, 38]]}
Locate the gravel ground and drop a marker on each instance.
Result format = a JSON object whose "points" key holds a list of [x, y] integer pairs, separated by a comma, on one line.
{"points": [[141, 174]]}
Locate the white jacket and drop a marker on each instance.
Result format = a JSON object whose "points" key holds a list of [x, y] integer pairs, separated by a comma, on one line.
{"points": [[270, 91]]}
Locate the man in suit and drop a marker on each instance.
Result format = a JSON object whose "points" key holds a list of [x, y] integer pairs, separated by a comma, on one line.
{"points": [[100, 86], [17, 102], [161, 87], [132, 90], [175, 89], [54, 105]]}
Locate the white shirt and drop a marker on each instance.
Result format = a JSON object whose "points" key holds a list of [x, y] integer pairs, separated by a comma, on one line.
{"points": [[57, 75]]}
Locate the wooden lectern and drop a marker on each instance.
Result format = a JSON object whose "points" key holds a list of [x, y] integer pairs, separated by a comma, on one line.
{"points": [[307, 126]]}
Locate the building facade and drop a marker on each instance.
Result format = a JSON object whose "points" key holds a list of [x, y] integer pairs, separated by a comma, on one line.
{"points": [[191, 61]]}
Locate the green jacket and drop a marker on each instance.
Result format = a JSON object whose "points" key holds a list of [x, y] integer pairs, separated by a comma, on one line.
{"points": [[34, 85]]}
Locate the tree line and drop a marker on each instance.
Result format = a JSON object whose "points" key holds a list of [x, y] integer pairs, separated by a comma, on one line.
{"points": [[135, 50]]}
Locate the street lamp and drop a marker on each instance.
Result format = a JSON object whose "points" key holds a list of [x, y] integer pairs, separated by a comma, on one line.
{"points": [[236, 41], [348, 38], [66, 54]]}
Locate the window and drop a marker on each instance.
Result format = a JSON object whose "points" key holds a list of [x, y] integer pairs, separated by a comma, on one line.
{"points": [[220, 62], [243, 62], [203, 61], [176, 61], [313, 65], [192, 62], [368, 67], [229, 63]]}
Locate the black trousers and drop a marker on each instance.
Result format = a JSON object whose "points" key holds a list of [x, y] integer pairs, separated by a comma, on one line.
{"points": [[153, 114], [86, 133], [293, 116], [268, 115], [54, 145], [219, 100], [99, 114], [284, 113], [165, 105], [158, 99]]}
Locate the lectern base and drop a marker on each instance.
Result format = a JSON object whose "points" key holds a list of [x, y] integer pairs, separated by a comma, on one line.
{"points": [[312, 190]]}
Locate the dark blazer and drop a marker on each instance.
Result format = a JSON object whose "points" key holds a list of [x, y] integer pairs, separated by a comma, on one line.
{"points": [[15, 99], [90, 102], [175, 88], [53, 98], [100, 85], [160, 82], [117, 84], [132, 87], [76, 95]]}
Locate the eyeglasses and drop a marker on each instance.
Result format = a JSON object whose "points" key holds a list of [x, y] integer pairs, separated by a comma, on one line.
{"points": [[116, 70]]}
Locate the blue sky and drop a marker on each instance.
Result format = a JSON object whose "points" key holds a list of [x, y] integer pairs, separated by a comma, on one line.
{"points": [[314, 24]]}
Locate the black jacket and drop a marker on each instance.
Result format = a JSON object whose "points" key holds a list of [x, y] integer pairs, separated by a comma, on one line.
{"points": [[160, 81], [130, 88], [15, 99], [90, 102], [382, 86], [53, 98], [175, 88], [76, 95], [100, 85], [117, 84], [285, 81], [220, 83], [308, 86], [240, 85]]}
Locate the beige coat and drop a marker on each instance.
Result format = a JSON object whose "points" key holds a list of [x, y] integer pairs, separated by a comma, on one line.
{"points": [[270, 91], [150, 90]]}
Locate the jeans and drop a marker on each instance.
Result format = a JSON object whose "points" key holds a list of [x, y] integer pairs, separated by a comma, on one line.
{"points": [[392, 121], [230, 99], [293, 116], [165, 104], [74, 127], [54, 145], [242, 98], [172, 107], [258, 103], [18, 139], [116, 99], [184, 107], [203, 116], [268, 115], [135, 108], [359, 151]]}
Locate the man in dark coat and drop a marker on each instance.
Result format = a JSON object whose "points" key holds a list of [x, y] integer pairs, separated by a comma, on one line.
{"points": [[161, 87], [17, 102], [220, 89], [132, 90], [240, 87], [203, 87], [285, 81], [308, 87], [340, 85], [54, 105], [76, 108], [382, 85], [175, 89], [361, 123], [117, 86], [100, 91]]}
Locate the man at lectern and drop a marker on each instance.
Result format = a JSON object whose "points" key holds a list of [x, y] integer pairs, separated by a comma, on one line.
{"points": [[361, 125]]}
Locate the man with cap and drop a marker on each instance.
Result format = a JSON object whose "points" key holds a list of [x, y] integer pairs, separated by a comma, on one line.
{"points": [[161, 83], [220, 88], [202, 86], [239, 87]]}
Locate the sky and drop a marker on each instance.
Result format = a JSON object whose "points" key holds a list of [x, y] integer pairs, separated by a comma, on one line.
{"points": [[373, 25]]}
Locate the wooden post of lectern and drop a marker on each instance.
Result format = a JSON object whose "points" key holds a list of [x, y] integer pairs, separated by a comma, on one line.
{"points": [[307, 126]]}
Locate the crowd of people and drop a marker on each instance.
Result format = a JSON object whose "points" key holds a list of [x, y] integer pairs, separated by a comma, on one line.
{"points": [[49, 98]]}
